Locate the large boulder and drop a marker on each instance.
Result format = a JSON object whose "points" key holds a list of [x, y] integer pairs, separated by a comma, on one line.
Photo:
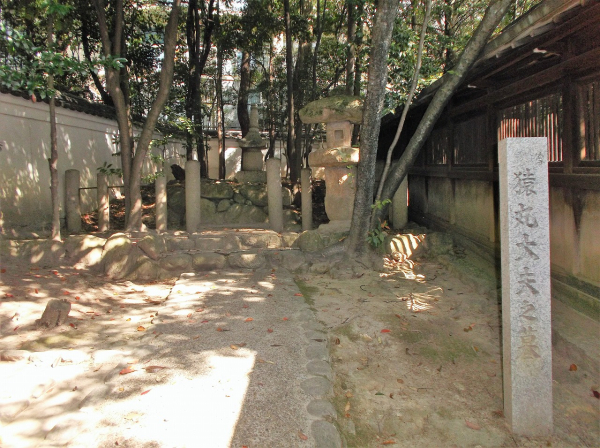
{"points": [[115, 256], [246, 260], [310, 241], [210, 189], [255, 193], [153, 245], [84, 250]]}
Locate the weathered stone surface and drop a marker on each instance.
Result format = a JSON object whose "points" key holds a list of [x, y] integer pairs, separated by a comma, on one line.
{"points": [[237, 197], [226, 244], [208, 211], [153, 245], [316, 386], [287, 196], [43, 252], [251, 176], [319, 367], [326, 435], [438, 243], [257, 194], [310, 241], [317, 351], [289, 238], [175, 205], [238, 213], [208, 261], [85, 250], [246, 260], [320, 267], [334, 157], [216, 190], [178, 243], [55, 314], [269, 240], [526, 293], [293, 260], [321, 408], [176, 262], [331, 109], [115, 255], [223, 205], [146, 269]]}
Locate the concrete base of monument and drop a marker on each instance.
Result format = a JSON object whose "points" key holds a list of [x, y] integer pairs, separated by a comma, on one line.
{"points": [[335, 226], [251, 176]]}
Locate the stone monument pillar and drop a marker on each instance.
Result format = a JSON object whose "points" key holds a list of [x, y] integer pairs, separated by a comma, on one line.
{"points": [[274, 194], [337, 157], [525, 249], [160, 188], [252, 158], [192, 196], [103, 202], [307, 205]]}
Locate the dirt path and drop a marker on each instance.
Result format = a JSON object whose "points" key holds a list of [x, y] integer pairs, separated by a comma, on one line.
{"points": [[417, 359], [415, 352]]}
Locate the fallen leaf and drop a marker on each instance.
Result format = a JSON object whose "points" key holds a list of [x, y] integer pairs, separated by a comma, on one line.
{"points": [[196, 337], [347, 407], [337, 341], [596, 394], [244, 306], [349, 394], [2, 271], [204, 322], [379, 393], [573, 368], [8, 295], [199, 310], [66, 293], [302, 436], [385, 330], [269, 330], [285, 318], [472, 425], [298, 294], [145, 392], [36, 291], [153, 369], [219, 329], [234, 347], [189, 315], [140, 328], [128, 319], [389, 442], [249, 319], [398, 316], [400, 380], [126, 371], [73, 325]]}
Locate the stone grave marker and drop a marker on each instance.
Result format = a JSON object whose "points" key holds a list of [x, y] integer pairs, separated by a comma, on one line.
{"points": [[525, 248]]}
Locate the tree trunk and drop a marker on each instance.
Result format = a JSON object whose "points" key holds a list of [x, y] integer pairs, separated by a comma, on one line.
{"points": [[290, 80], [378, 68], [351, 58], [242, 104], [450, 83], [53, 161], [220, 113]]}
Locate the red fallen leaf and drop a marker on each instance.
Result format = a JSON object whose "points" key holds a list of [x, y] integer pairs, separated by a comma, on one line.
{"points": [[219, 329], [145, 392], [269, 330], [285, 318], [153, 369], [140, 328], [76, 297], [389, 442], [398, 316], [126, 371], [189, 315], [8, 295], [299, 294], [573, 368], [66, 293], [2, 271], [385, 330], [36, 291], [72, 325], [199, 310], [302, 436], [204, 322], [472, 425], [244, 306], [249, 319], [596, 394], [16, 328]]}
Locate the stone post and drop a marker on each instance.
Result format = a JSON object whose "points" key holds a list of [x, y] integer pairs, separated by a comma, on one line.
{"points": [[192, 195], [72, 207], [525, 250], [103, 202], [307, 205], [399, 207], [274, 195], [160, 187]]}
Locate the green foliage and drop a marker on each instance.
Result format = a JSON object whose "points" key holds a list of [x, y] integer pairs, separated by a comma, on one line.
{"points": [[378, 205], [109, 170], [376, 236]]}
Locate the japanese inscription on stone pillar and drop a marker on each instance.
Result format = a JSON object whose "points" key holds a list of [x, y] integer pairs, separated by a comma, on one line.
{"points": [[526, 326]]}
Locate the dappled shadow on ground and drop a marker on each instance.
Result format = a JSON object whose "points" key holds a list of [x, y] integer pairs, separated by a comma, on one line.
{"points": [[133, 368]]}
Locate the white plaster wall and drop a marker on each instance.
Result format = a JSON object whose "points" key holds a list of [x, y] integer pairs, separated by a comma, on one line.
{"points": [[85, 142], [474, 207]]}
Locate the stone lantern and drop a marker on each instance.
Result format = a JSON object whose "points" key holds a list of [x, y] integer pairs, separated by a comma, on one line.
{"points": [[338, 157], [252, 157]]}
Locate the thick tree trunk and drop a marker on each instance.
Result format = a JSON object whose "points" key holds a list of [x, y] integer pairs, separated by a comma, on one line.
{"points": [[378, 68], [242, 104], [451, 81]]}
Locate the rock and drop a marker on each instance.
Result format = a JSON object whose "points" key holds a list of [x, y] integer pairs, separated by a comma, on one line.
{"points": [[175, 243], [208, 261], [228, 244], [146, 269], [326, 435], [320, 367], [43, 252], [257, 194], [153, 245], [216, 190], [223, 205], [55, 314], [115, 255], [85, 250], [320, 267], [246, 260], [176, 262], [293, 260], [208, 212], [316, 386], [310, 241], [321, 408], [178, 172], [287, 196], [239, 198], [239, 213], [261, 240], [288, 238]]}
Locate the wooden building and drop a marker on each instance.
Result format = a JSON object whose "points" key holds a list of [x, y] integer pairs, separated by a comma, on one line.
{"points": [[539, 77]]}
